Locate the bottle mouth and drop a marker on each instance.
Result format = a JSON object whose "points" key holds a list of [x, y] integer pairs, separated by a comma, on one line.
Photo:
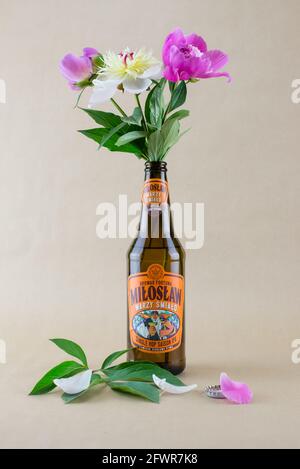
{"points": [[158, 165]]}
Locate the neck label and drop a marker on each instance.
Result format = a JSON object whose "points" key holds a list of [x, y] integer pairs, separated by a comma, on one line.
{"points": [[155, 306], [155, 191]]}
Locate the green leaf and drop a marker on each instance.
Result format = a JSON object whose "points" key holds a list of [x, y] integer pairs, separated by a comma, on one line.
{"points": [[169, 135], [130, 137], [96, 379], [162, 140], [110, 133], [106, 119], [178, 96], [145, 390], [171, 86], [135, 119], [63, 370], [154, 146], [98, 134], [113, 356], [71, 348], [179, 114], [140, 371], [154, 106], [99, 61]]}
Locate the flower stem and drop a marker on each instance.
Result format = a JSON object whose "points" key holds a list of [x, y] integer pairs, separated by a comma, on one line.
{"points": [[168, 106], [137, 97], [118, 107]]}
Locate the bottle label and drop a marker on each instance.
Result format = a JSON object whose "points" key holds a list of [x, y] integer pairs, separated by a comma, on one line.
{"points": [[155, 191], [155, 305]]}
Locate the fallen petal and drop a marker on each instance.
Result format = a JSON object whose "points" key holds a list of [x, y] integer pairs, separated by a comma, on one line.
{"points": [[234, 391], [171, 388], [75, 384]]}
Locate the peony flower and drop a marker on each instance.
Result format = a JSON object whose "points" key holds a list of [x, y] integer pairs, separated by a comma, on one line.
{"points": [[187, 57], [77, 69], [171, 388], [234, 391], [76, 383], [130, 71]]}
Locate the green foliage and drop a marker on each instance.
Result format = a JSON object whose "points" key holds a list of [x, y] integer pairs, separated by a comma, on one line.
{"points": [[145, 390], [63, 370], [113, 357], [68, 398], [71, 348], [162, 140], [148, 133], [140, 371], [178, 96], [135, 378], [130, 137]]}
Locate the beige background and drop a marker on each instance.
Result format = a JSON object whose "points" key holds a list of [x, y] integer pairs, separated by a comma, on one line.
{"points": [[57, 279]]}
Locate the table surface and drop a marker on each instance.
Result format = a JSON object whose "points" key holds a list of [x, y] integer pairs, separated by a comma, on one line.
{"points": [[106, 419]]}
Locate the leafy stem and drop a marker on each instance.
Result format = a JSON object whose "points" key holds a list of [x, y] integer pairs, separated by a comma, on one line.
{"points": [[117, 106], [137, 98], [76, 379], [169, 103]]}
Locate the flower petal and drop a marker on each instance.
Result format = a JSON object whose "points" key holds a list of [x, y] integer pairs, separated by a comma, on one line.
{"points": [[217, 75], [170, 74], [171, 388], [75, 68], [153, 73], [75, 384], [136, 85], [176, 38], [217, 58], [196, 41], [103, 90], [234, 391], [90, 52]]}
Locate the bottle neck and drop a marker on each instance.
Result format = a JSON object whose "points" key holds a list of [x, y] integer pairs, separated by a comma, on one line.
{"points": [[156, 170], [156, 219]]}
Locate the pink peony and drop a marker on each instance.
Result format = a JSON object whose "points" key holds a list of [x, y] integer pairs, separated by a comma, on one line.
{"points": [[187, 57], [76, 69]]}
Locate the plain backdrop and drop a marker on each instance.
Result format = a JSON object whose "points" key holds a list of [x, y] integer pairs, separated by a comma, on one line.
{"points": [[57, 279]]}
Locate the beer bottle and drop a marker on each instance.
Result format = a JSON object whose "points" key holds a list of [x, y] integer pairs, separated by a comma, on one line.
{"points": [[156, 279]]}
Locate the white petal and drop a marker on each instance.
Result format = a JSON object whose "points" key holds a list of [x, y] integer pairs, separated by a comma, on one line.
{"points": [[136, 85], [171, 388], [103, 90], [154, 72], [75, 384]]}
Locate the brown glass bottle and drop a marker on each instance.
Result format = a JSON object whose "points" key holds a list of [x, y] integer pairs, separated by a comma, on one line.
{"points": [[156, 279]]}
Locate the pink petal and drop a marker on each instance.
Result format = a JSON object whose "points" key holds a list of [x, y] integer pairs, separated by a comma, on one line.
{"points": [[170, 74], [90, 52], [234, 391], [216, 75], [218, 59], [75, 68], [196, 41], [175, 38]]}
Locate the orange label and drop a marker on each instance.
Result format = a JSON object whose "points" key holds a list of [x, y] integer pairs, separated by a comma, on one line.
{"points": [[155, 191], [155, 305]]}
